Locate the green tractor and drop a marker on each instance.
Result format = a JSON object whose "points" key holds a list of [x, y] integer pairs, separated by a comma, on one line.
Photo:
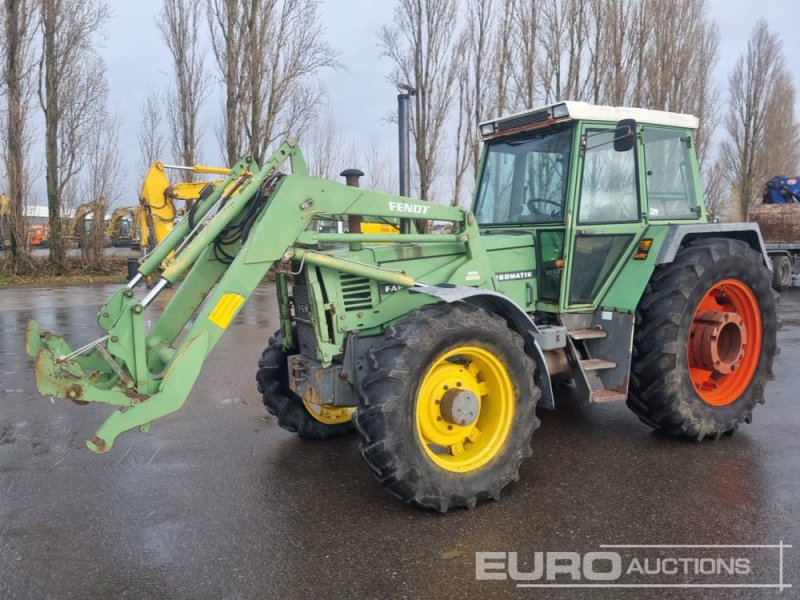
{"points": [[586, 259]]}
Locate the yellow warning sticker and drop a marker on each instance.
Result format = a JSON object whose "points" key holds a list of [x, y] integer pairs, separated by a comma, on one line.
{"points": [[225, 310]]}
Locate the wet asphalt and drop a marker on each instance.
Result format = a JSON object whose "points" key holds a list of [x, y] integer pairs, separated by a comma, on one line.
{"points": [[218, 502]]}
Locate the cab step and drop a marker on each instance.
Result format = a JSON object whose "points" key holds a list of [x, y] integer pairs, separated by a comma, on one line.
{"points": [[608, 396], [597, 364], [587, 333]]}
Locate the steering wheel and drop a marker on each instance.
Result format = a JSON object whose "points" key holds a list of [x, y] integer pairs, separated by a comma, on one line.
{"points": [[545, 201], [532, 201]]}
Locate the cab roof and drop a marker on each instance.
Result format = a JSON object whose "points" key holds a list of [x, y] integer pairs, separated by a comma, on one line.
{"points": [[559, 112]]}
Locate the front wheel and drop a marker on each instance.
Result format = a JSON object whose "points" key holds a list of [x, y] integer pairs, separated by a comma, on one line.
{"points": [[448, 408], [704, 341], [309, 421]]}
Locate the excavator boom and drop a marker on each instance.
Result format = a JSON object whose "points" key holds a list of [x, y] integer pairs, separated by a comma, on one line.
{"points": [[158, 200]]}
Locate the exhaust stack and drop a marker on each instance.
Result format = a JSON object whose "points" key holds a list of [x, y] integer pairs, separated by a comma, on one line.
{"points": [[402, 130]]}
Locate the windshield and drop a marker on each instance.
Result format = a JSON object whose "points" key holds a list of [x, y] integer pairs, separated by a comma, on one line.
{"points": [[525, 180]]}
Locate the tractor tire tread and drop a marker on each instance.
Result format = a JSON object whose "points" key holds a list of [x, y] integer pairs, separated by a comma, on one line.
{"points": [[284, 404], [658, 387], [385, 391]]}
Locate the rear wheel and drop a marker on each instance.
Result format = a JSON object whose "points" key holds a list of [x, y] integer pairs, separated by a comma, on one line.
{"points": [[781, 272], [704, 342], [448, 408], [309, 421]]}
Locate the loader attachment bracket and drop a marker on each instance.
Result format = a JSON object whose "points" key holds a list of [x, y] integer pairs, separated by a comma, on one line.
{"points": [[33, 341], [59, 373]]}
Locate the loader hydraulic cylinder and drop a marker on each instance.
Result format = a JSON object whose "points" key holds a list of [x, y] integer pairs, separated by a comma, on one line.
{"points": [[225, 215], [182, 229]]}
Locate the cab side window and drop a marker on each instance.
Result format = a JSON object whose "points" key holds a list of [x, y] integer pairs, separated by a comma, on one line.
{"points": [[671, 190], [608, 181]]}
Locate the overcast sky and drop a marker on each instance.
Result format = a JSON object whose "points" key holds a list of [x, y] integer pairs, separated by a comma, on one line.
{"points": [[360, 96]]}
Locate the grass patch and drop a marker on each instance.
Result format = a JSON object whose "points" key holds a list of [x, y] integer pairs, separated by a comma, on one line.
{"points": [[114, 269]]}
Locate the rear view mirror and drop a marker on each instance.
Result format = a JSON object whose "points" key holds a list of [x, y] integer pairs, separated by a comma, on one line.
{"points": [[625, 135]]}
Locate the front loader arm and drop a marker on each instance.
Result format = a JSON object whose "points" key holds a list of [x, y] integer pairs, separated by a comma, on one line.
{"points": [[147, 382], [260, 216]]}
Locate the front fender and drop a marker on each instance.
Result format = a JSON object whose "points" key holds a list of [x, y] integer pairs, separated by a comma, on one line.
{"points": [[514, 315]]}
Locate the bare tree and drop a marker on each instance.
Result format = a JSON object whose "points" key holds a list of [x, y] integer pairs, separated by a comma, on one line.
{"points": [[781, 129], [179, 24], [499, 39], [71, 79], [152, 144], [269, 53], [704, 91], [288, 53], [679, 63], [752, 82], [328, 150], [83, 119], [19, 21], [419, 43], [492, 49], [566, 34], [466, 94], [227, 25], [487, 46], [102, 180], [717, 191], [524, 29], [620, 39], [378, 169]]}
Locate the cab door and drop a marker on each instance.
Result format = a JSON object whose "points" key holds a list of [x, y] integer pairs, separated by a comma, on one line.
{"points": [[607, 219]]}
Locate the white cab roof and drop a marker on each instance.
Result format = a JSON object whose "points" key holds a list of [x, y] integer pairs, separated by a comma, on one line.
{"points": [[592, 112], [586, 111]]}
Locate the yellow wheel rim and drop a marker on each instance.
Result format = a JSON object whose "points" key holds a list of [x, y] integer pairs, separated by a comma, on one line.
{"points": [[330, 415], [465, 447]]}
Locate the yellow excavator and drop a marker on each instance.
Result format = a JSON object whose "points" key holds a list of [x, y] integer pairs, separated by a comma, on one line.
{"points": [[81, 225], [123, 228], [159, 197], [5, 227]]}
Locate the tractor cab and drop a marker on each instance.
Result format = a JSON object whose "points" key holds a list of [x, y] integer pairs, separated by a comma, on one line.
{"points": [[583, 182]]}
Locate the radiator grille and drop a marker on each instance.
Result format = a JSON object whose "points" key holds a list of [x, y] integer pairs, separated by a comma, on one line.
{"points": [[306, 336], [356, 292]]}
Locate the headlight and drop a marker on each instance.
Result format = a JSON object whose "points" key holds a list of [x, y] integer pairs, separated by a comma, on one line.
{"points": [[560, 111], [487, 128]]}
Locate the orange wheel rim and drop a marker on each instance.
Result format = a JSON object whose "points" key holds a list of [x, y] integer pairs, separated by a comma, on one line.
{"points": [[724, 342]]}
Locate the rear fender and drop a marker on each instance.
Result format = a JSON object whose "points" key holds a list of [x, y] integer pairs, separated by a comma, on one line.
{"points": [[679, 235]]}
